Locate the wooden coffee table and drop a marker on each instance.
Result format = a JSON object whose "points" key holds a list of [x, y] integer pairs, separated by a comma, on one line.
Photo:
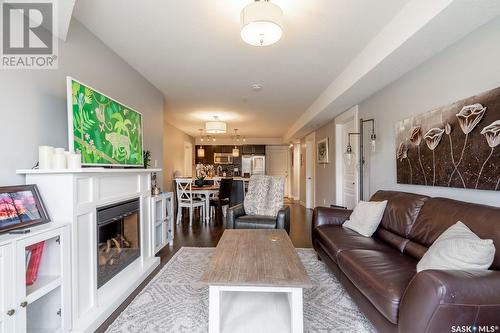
{"points": [[256, 281]]}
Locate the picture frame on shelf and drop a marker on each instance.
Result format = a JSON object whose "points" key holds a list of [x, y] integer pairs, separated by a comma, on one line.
{"points": [[20, 207]]}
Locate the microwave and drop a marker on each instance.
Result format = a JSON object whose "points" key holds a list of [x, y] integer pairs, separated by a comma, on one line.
{"points": [[223, 158]]}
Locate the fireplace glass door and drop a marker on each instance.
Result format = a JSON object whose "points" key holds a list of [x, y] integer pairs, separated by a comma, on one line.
{"points": [[118, 235]]}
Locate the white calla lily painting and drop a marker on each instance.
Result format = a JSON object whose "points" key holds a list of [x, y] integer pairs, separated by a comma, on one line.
{"points": [[452, 146]]}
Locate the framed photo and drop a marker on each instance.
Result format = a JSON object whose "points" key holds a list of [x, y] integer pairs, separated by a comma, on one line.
{"points": [[20, 207], [323, 151]]}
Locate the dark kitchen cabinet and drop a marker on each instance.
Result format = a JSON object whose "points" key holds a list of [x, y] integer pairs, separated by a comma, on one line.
{"points": [[228, 149], [254, 150]]}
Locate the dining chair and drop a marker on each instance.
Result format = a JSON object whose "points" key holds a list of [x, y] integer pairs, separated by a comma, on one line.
{"points": [[224, 195], [185, 199]]}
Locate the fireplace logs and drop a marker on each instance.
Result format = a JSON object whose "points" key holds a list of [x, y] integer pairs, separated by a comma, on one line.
{"points": [[111, 250]]}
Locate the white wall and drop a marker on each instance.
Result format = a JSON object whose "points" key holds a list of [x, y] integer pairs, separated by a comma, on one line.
{"points": [[33, 102], [469, 67]]}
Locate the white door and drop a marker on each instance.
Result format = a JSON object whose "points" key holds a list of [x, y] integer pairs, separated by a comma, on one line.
{"points": [[188, 159], [347, 170], [310, 164], [277, 162]]}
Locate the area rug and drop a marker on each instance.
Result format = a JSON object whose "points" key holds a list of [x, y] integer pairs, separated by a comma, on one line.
{"points": [[174, 302]]}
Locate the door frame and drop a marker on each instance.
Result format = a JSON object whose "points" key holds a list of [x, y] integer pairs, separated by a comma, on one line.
{"points": [[311, 166], [340, 146], [269, 148], [188, 151]]}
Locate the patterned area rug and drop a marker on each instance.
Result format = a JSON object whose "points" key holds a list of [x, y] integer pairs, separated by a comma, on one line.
{"points": [[173, 302]]}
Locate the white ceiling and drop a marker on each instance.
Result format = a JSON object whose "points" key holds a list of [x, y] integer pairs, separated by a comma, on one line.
{"points": [[191, 50]]}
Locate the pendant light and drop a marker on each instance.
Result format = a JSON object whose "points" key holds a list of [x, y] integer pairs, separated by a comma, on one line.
{"points": [[236, 152], [261, 23], [201, 152]]}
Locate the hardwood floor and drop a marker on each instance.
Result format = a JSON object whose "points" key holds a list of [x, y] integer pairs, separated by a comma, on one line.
{"points": [[203, 235]]}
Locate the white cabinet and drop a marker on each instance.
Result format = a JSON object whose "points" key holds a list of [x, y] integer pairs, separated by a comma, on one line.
{"points": [[7, 322], [43, 306], [162, 208]]}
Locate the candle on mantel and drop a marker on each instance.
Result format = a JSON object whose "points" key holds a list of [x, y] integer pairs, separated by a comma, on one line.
{"points": [[74, 161], [59, 159], [45, 154]]}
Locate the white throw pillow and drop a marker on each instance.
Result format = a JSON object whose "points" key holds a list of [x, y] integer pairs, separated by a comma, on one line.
{"points": [[366, 217], [458, 248]]}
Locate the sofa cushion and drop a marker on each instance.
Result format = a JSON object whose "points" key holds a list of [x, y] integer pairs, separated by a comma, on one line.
{"points": [[366, 217], [401, 211], [381, 276], [335, 239], [458, 248], [438, 214], [255, 222]]}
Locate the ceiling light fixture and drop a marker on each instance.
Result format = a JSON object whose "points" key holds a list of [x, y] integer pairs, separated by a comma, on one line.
{"points": [[261, 23], [237, 137], [256, 87], [216, 126]]}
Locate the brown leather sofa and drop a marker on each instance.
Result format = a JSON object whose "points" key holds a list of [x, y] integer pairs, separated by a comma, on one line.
{"points": [[380, 272]]}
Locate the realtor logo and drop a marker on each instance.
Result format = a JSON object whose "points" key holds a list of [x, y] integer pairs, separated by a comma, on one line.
{"points": [[28, 41]]}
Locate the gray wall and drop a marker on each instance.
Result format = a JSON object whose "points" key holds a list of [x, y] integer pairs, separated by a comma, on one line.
{"points": [[325, 173], [33, 102], [469, 67]]}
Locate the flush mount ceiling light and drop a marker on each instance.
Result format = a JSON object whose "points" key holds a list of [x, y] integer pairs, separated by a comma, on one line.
{"points": [[261, 23], [216, 126]]}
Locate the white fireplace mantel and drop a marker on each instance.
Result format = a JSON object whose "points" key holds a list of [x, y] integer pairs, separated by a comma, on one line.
{"points": [[83, 171], [73, 196]]}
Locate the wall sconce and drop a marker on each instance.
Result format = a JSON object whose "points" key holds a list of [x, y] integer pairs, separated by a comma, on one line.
{"points": [[349, 153], [201, 152]]}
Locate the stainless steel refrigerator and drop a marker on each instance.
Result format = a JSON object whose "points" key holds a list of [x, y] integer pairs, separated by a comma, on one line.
{"points": [[253, 165]]}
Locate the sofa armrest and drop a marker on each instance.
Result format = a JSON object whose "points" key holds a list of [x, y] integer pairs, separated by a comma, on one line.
{"points": [[232, 214], [334, 216], [435, 301], [283, 219]]}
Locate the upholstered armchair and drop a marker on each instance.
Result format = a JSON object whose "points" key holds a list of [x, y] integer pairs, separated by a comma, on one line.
{"points": [[263, 207]]}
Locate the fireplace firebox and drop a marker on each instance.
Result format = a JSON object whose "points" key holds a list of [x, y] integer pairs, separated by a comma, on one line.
{"points": [[118, 235]]}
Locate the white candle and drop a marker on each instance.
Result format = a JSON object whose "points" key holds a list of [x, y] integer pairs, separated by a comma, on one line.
{"points": [[45, 157], [58, 161], [74, 161]]}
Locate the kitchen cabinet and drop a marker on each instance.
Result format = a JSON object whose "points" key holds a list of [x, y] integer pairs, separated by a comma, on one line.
{"points": [[254, 150], [228, 149]]}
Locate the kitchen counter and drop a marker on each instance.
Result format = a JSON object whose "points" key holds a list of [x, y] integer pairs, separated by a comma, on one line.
{"points": [[234, 178]]}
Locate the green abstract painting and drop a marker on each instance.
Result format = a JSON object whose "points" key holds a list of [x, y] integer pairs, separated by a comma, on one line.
{"points": [[104, 131]]}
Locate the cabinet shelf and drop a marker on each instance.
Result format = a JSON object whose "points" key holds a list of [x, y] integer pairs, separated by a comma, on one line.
{"points": [[42, 286]]}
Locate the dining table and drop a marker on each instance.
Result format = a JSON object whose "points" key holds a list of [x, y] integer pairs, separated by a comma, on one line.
{"points": [[205, 192]]}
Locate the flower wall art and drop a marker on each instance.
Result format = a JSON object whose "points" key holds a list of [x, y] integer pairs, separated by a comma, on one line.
{"points": [[454, 146]]}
